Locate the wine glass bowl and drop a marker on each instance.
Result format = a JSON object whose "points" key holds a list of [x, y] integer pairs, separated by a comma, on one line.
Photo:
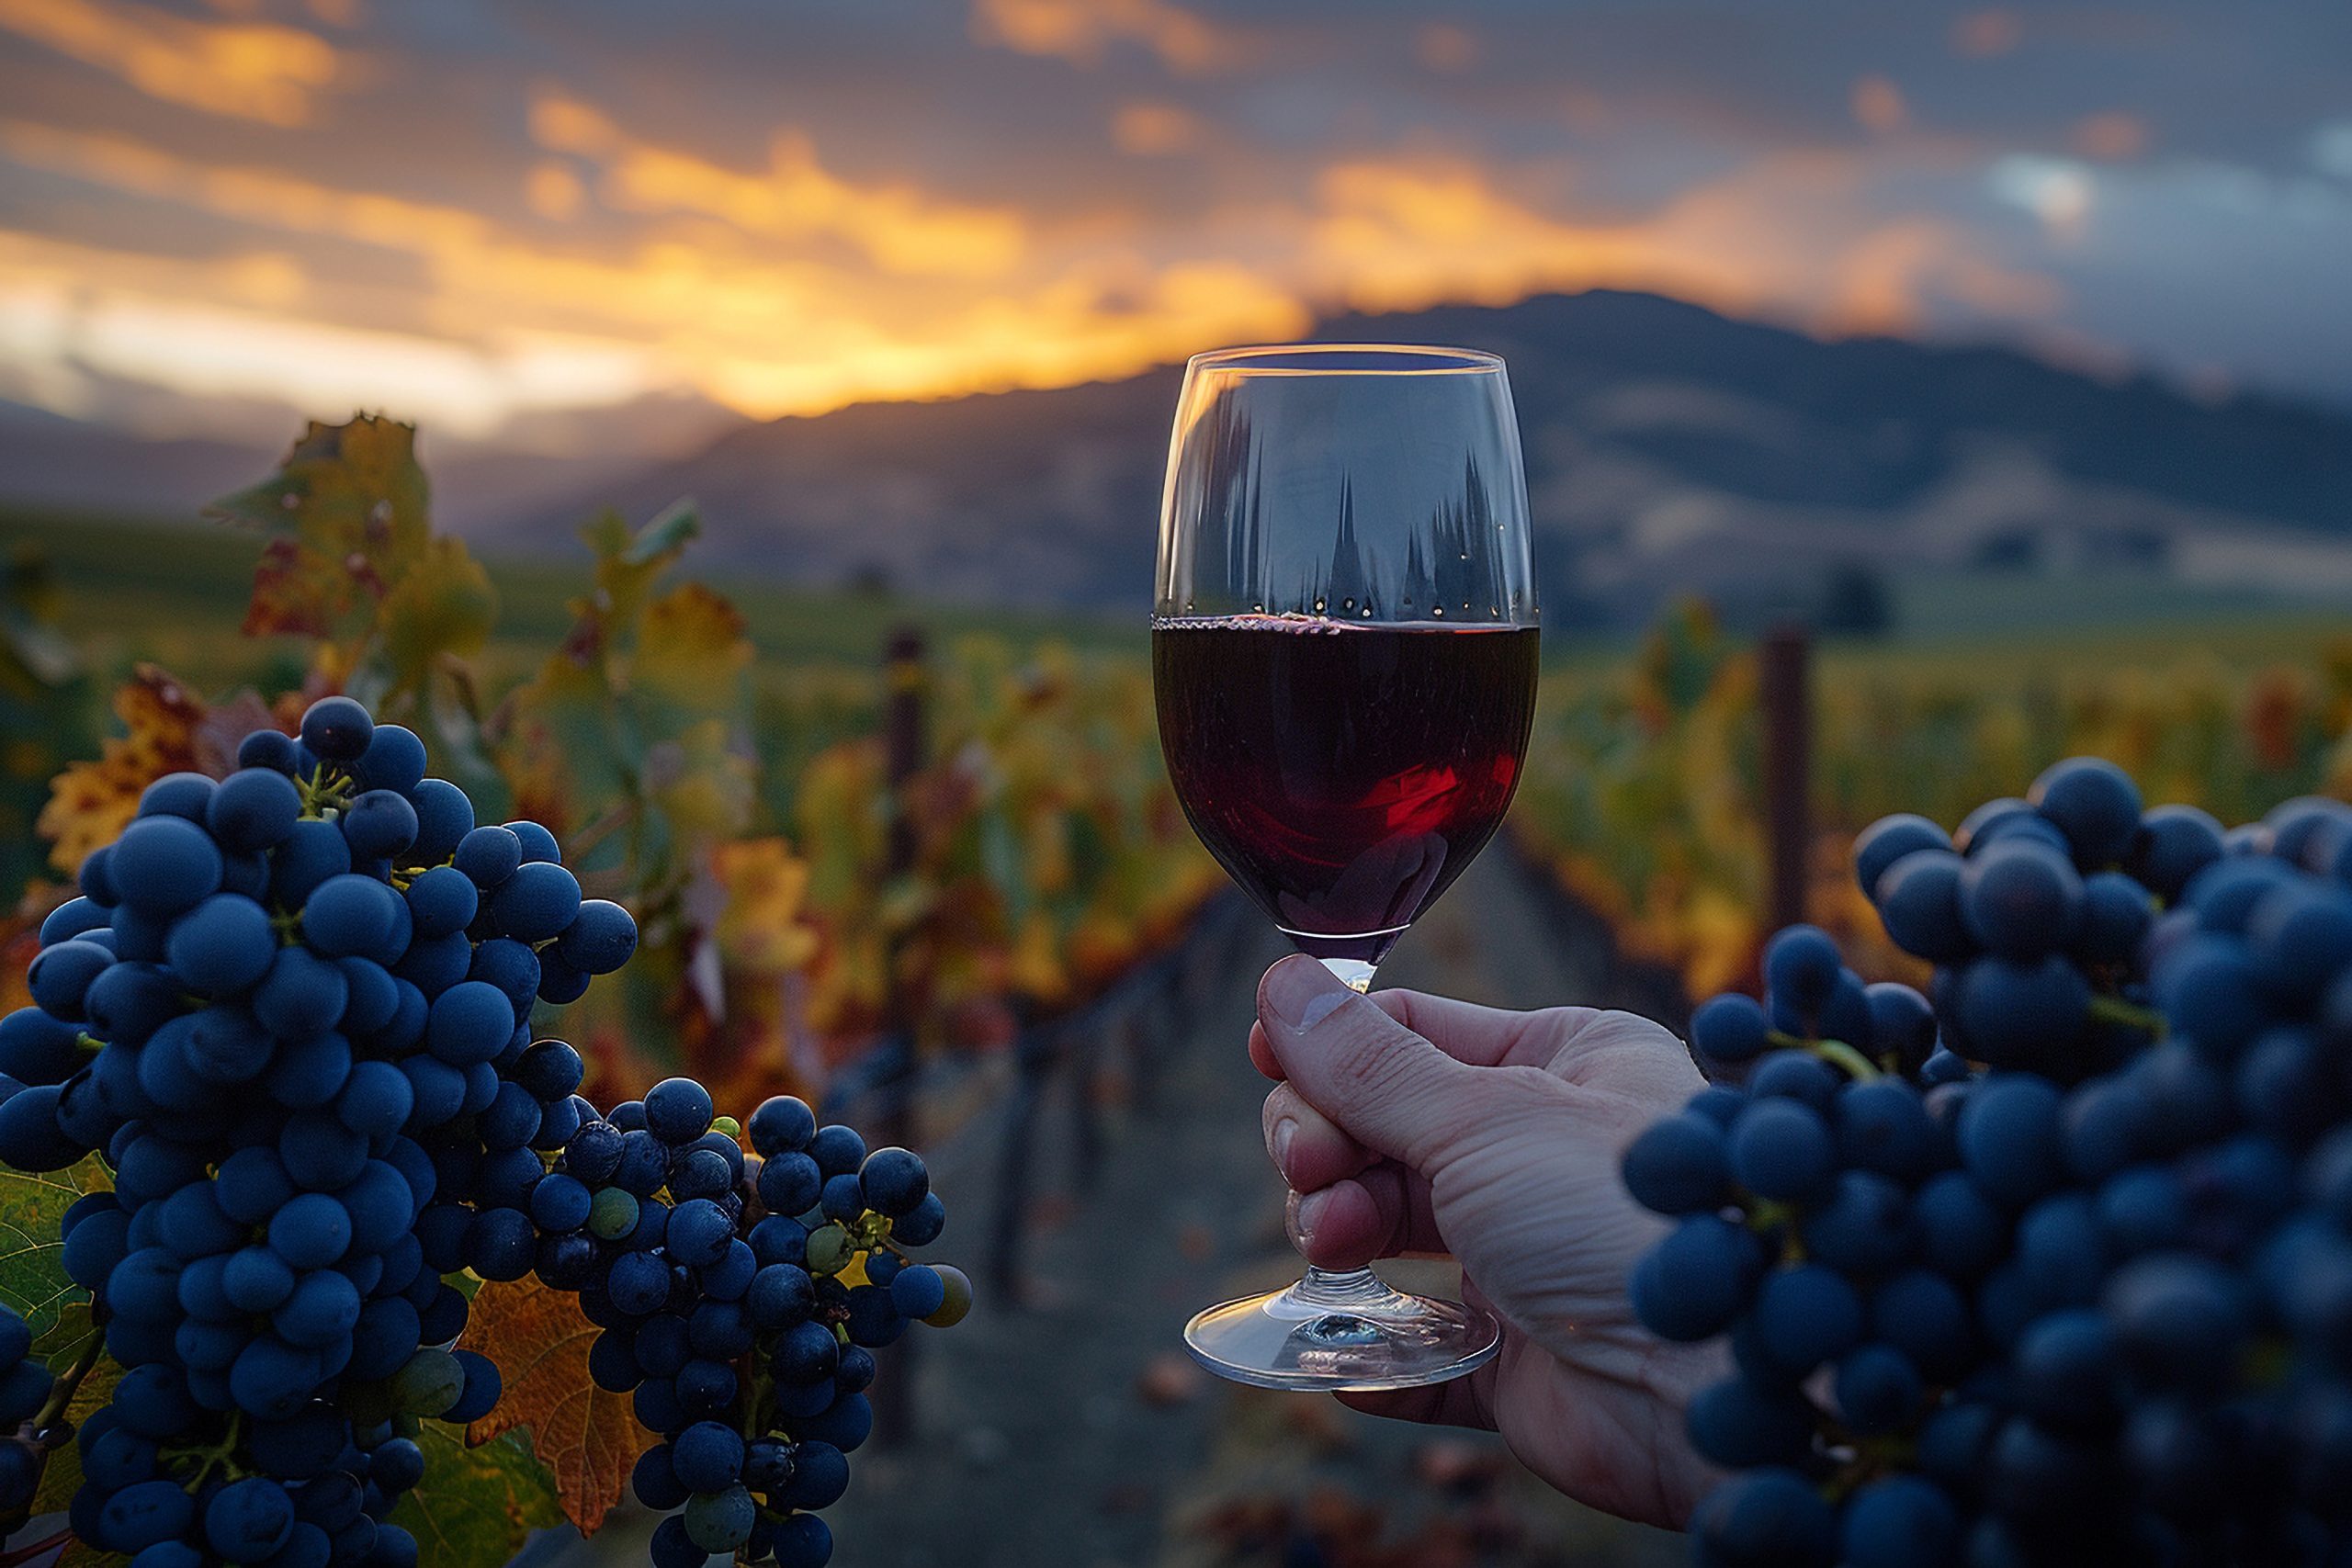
{"points": [[1344, 664]]}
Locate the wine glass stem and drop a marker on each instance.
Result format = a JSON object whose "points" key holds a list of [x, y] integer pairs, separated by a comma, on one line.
{"points": [[1341, 1287], [1339, 1290]]}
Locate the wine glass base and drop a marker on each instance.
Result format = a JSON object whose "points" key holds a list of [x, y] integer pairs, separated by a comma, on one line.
{"points": [[1378, 1339]]}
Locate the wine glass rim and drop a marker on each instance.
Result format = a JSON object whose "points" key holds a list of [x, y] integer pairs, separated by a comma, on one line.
{"points": [[1310, 359]]}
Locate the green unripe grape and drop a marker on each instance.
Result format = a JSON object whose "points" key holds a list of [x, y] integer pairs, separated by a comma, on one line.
{"points": [[729, 1125], [959, 1297], [830, 1249], [611, 1213], [429, 1384], [720, 1521]]}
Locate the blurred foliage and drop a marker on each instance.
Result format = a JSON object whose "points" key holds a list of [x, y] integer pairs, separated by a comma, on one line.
{"points": [[1643, 789], [742, 813], [740, 805], [45, 699]]}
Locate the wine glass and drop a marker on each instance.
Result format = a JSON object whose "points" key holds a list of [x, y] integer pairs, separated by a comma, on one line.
{"points": [[1344, 662]]}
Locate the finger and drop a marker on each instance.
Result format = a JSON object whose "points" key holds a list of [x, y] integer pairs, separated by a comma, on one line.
{"points": [[1381, 1213], [1261, 1053], [1308, 1147], [1462, 1402], [1390, 1088], [1570, 1041], [1482, 1036], [1340, 1227]]}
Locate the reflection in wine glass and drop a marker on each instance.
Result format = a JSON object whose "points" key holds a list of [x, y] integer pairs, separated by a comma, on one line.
{"points": [[1378, 893]]}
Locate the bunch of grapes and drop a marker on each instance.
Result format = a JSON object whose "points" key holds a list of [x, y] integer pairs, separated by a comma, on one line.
{"points": [[741, 1300], [25, 1387], [2057, 1270], [291, 1009]]}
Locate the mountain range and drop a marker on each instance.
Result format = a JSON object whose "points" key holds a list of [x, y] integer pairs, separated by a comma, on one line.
{"points": [[1668, 449]]}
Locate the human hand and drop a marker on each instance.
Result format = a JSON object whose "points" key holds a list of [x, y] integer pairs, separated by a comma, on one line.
{"points": [[1406, 1123]]}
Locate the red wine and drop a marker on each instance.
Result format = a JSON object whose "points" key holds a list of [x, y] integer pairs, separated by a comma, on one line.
{"points": [[1343, 774]]}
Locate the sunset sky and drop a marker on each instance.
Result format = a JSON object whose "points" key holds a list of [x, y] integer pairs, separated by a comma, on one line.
{"points": [[485, 214]]}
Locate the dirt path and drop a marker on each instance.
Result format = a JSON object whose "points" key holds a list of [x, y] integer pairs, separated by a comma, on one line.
{"points": [[1072, 1431]]}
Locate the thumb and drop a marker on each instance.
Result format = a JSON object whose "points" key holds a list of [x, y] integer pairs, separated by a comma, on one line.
{"points": [[1389, 1089]]}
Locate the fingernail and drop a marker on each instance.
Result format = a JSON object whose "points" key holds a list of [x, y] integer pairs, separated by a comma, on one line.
{"points": [[1285, 1129], [1303, 993], [1310, 1208]]}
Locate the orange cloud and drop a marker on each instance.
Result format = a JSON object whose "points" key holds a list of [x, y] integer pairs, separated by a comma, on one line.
{"points": [[1782, 237], [1981, 35], [1882, 281], [1877, 106], [1445, 47], [2111, 137], [552, 191], [248, 71], [794, 290], [1080, 31], [1153, 130], [795, 197], [732, 315]]}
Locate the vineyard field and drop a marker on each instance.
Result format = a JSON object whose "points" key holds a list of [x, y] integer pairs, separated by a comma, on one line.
{"points": [[957, 889], [173, 592], [1642, 794], [1643, 789]]}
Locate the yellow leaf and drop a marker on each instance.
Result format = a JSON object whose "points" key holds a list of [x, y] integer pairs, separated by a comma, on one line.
{"points": [[691, 651], [346, 517], [90, 803], [587, 1437], [760, 927]]}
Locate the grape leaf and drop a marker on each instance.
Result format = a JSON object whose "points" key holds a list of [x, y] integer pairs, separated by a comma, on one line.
{"points": [[443, 604], [643, 709], [589, 1438], [73, 1331], [691, 649], [32, 1252], [478, 1501], [345, 513], [761, 926], [91, 802], [225, 727]]}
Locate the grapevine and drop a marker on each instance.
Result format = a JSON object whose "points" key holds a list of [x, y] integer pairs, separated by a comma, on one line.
{"points": [[291, 1012], [2047, 1265]]}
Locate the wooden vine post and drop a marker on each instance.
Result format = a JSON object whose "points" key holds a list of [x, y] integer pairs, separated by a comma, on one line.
{"points": [[905, 684], [1784, 681]]}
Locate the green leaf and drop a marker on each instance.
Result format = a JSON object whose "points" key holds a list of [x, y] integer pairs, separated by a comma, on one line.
{"points": [[476, 1504], [442, 604], [61, 1343], [32, 1250]]}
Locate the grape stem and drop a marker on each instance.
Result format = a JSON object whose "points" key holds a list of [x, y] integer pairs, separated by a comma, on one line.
{"points": [[579, 843], [62, 1395], [1765, 1215], [218, 1455], [2115, 1009], [1856, 1066], [1859, 1067]]}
